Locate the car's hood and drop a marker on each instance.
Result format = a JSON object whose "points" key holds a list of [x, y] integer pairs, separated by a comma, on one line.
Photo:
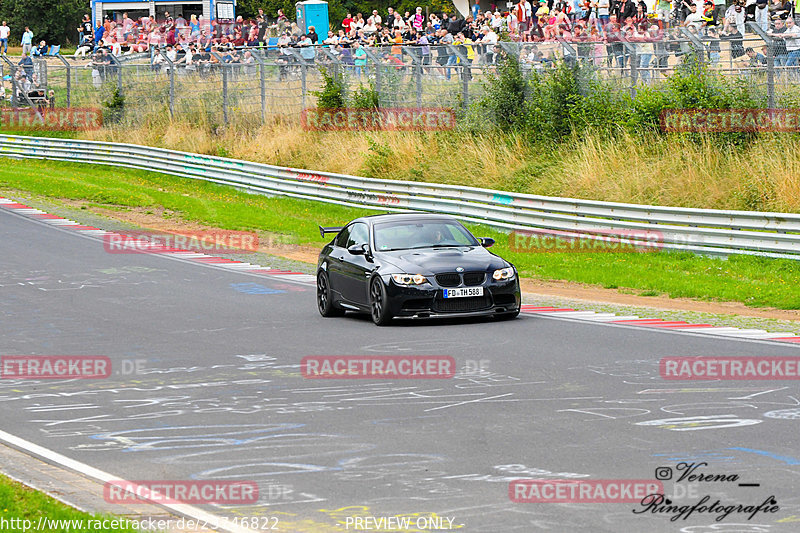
{"points": [[437, 260]]}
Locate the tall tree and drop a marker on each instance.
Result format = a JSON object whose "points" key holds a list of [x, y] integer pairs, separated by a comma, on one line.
{"points": [[55, 21]]}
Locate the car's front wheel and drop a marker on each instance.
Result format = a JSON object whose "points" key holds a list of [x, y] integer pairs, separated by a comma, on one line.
{"points": [[324, 298], [379, 303]]}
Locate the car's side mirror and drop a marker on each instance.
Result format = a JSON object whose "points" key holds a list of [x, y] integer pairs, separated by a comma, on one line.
{"points": [[357, 249], [487, 242]]}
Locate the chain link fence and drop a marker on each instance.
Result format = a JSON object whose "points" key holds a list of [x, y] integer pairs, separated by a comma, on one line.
{"points": [[253, 86]]}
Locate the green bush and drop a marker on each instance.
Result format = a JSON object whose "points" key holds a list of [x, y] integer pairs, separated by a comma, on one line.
{"points": [[570, 100], [365, 97], [332, 94]]}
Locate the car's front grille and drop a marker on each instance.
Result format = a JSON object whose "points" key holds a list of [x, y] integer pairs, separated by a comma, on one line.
{"points": [[448, 280], [454, 305], [474, 278]]}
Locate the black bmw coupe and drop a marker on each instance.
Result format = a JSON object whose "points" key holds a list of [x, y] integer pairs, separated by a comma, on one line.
{"points": [[413, 266]]}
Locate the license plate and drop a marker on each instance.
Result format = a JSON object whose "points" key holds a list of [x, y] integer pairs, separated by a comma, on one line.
{"points": [[464, 292]]}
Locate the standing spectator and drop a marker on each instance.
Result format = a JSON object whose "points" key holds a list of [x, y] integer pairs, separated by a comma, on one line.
{"points": [[27, 65], [720, 7], [312, 34], [347, 23], [762, 14], [694, 18], [307, 51], [86, 29], [664, 8], [282, 20], [262, 27], [418, 20], [792, 37], [4, 32], [27, 41], [779, 50], [397, 49], [360, 61], [99, 34]]}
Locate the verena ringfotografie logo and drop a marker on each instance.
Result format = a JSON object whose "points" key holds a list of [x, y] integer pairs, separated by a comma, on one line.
{"points": [[730, 368], [150, 242], [60, 118], [55, 367], [582, 490], [384, 119], [378, 367], [188, 492], [608, 241], [730, 120]]}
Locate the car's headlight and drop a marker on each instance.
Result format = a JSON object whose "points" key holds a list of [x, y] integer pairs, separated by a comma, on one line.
{"points": [[409, 279], [503, 273]]}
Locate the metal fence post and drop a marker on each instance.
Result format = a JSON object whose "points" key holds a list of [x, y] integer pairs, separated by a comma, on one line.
{"points": [[263, 84], [697, 44], [69, 78], [416, 61], [634, 59], [224, 67], [303, 74], [770, 62], [377, 63], [119, 72], [171, 83]]}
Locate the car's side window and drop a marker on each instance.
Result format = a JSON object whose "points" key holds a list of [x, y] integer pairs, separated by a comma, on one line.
{"points": [[358, 235], [342, 238]]}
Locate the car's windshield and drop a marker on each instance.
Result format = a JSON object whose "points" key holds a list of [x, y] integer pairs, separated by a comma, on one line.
{"points": [[421, 234]]}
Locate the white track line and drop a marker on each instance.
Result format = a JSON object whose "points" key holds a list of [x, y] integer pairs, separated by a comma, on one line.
{"points": [[54, 457]]}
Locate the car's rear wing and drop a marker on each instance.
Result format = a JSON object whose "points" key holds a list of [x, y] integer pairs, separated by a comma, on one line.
{"points": [[336, 229]]}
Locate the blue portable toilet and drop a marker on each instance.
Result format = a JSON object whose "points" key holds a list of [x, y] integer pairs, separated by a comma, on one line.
{"points": [[313, 13]]}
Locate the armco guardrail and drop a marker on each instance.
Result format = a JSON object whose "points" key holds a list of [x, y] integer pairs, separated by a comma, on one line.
{"points": [[696, 230]]}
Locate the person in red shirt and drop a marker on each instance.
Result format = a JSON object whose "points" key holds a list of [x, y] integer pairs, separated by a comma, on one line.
{"points": [[348, 20]]}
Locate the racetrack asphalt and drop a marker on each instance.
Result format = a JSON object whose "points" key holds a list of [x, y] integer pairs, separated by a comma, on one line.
{"points": [[219, 395]]}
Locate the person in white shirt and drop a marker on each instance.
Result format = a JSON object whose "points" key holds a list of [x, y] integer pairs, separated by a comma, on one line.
{"points": [[694, 18], [4, 33], [792, 38]]}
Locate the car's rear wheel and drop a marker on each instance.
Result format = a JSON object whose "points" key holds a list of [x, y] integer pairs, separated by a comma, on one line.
{"points": [[324, 298], [378, 302]]}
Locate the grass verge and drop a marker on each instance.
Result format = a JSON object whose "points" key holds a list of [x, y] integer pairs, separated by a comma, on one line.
{"points": [[21, 506], [646, 168], [757, 282]]}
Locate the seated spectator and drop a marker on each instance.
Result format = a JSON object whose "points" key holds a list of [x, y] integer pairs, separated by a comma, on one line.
{"points": [[40, 50], [35, 90], [86, 47]]}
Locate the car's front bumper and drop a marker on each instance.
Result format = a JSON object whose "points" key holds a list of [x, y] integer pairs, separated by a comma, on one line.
{"points": [[427, 301]]}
